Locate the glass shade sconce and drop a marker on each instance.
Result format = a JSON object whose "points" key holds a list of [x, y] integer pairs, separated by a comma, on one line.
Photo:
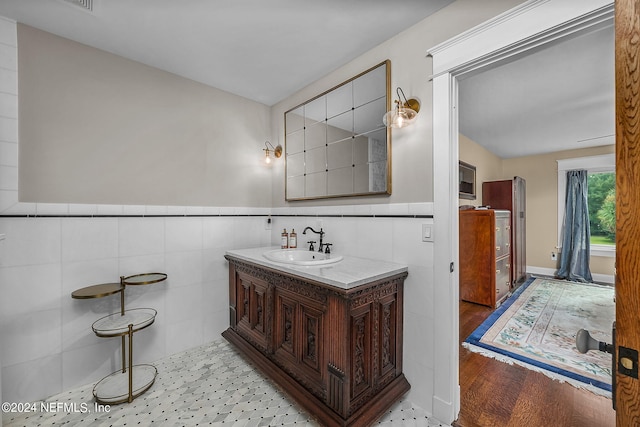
{"points": [[270, 149], [404, 113]]}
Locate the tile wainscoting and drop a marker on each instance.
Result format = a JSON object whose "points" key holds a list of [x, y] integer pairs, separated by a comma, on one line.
{"points": [[47, 342]]}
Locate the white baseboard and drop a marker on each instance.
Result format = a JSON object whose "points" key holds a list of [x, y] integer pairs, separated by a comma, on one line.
{"points": [[597, 278], [444, 411]]}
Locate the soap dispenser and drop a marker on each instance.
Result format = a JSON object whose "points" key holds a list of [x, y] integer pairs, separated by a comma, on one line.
{"points": [[293, 239], [284, 240]]}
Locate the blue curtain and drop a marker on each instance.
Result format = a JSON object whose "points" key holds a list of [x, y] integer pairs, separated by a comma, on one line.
{"points": [[574, 259]]}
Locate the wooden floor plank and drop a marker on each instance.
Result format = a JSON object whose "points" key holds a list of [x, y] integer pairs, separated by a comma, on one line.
{"points": [[495, 394]]}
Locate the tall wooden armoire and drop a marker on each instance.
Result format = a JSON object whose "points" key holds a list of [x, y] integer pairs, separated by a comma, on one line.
{"points": [[510, 194]]}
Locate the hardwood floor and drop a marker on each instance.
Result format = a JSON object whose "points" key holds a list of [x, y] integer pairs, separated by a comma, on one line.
{"points": [[495, 394]]}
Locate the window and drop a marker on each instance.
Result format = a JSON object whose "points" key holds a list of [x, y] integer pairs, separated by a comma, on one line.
{"points": [[601, 199], [602, 208]]}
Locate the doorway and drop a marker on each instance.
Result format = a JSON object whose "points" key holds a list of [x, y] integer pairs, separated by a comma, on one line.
{"points": [[521, 30], [493, 392]]}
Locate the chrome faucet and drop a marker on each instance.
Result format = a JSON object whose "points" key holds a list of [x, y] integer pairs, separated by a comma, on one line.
{"points": [[321, 233]]}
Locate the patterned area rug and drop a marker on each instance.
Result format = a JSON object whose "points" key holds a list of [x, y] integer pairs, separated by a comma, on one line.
{"points": [[536, 328]]}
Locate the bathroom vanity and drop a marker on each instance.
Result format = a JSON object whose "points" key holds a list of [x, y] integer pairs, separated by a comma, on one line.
{"points": [[329, 334]]}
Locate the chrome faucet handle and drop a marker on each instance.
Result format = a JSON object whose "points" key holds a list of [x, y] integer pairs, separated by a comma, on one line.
{"points": [[311, 247], [327, 248]]}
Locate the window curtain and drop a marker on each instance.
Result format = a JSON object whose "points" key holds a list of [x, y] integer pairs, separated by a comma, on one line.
{"points": [[574, 258]]}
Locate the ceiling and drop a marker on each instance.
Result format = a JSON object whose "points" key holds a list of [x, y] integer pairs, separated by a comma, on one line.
{"points": [[261, 50], [558, 98]]}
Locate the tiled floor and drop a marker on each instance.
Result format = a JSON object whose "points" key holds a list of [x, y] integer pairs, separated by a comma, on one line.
{"points": [[207, 385]]}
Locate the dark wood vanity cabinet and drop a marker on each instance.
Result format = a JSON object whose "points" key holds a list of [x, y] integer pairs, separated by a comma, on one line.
{"points": [[337, 352]]}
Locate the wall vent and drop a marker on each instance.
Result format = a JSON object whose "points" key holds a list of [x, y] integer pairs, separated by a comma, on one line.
{"points": [[85, 4]]}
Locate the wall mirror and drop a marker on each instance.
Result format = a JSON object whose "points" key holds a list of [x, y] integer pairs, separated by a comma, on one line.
{"points": [[336, 144]]}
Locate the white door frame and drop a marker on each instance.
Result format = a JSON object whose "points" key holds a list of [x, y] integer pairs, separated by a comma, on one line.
{"points": [[519, 31]]}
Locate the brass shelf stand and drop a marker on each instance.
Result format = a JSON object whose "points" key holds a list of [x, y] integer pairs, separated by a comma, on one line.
{"points": [[131, 381]]}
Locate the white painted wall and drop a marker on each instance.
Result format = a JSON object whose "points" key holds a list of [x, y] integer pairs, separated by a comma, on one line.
{"points": [[98, 128]]}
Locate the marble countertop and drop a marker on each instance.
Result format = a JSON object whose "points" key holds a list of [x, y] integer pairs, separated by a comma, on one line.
{"points": [[349, 273]]}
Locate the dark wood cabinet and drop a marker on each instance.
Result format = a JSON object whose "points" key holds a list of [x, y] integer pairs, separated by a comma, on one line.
{"points": [[485, 254], [510, 195], [338, 352]]}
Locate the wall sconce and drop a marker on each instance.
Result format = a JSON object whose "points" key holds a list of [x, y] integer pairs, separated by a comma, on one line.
{"points": [[277, 151], [404, 113]]}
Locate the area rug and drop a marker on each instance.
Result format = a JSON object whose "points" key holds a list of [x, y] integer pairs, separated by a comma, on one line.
{"points": [[536, 328]]}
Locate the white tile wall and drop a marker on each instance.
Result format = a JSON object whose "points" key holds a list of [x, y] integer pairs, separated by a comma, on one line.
{"points": [[45, 259], [86, 239]]}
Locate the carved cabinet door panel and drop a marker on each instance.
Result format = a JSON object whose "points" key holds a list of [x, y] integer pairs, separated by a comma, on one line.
{"points": [[253, 319], [375, 343], [298, 338], [311, 340], [387, 337], [361, 341], [285, 329], [243, 291]]}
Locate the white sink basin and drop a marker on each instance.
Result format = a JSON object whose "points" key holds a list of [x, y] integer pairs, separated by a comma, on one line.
{"points": [[301, 257]]}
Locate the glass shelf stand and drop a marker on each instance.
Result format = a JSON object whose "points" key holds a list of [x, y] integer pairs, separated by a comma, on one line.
{"points": [[131, 381]]}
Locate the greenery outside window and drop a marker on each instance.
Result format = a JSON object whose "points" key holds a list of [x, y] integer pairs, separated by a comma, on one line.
{"points": [[601, 199], [602, 208]]}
